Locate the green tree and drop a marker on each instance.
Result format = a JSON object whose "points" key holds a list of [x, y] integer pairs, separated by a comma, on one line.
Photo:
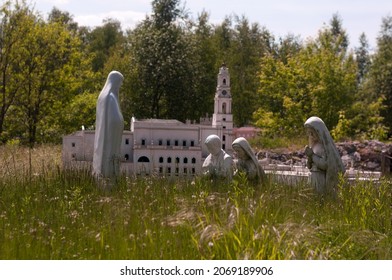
{"points": [[205, 61], [318, 80], [338, 34], [162, 62], [64, 18], [284, 100], [333, 73], [355, 121], [79, 112], [48, 76], [102, 41], [246, 50], [14, 27], [362, 56], [165, 12], [380, 75], [222, 39], [287, 47], [333, 82]]}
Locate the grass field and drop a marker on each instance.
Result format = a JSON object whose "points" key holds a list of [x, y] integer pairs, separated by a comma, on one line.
{"points": [[49, 213]]}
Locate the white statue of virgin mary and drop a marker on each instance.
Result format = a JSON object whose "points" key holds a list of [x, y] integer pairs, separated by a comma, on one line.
{"points": [[108, 129]]}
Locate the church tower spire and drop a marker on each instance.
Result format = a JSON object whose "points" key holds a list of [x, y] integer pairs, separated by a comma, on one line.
{"points": [[223, 118]]}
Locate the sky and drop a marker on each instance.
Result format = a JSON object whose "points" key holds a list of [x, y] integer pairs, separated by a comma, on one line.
{"points": [[281, 17]]}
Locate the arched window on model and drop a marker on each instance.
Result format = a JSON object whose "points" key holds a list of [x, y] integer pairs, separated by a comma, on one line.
{"points": [[143, 159], [224, 108]]}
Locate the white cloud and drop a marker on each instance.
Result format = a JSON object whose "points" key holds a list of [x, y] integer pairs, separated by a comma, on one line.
{"points": [[128, 18], [55, 2]]}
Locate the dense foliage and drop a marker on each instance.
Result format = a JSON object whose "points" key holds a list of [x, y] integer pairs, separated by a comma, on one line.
{"points": [[52, 69]]}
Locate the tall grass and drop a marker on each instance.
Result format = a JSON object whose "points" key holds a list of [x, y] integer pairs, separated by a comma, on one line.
{"points": [[51, 213]]}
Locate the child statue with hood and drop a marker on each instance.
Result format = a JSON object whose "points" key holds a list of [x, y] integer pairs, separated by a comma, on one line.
{"points": [[218, 164], [247, 161], [324, 161]]}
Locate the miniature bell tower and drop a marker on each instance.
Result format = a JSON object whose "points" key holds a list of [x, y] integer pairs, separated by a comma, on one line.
{"points": [[223, 118]]}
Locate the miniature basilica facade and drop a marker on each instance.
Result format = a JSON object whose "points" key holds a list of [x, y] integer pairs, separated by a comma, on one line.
{"points": [[158, 146]]}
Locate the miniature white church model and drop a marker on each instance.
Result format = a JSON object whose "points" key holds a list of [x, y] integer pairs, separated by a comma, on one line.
{"points": [[161, 147]]}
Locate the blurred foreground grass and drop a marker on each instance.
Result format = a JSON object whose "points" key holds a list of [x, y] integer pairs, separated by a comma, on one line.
{"points": [[49, 213]]}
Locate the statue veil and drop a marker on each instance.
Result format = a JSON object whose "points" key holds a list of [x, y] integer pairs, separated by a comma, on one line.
{"points": [[334, 162], [109, 128]]}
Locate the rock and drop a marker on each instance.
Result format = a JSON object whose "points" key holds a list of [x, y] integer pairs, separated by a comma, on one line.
{"points": [[365, 155], [347, 160], [349, 148], [357, 156], [372, 166]]}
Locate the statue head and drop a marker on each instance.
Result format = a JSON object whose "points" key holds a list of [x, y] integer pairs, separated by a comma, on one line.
{"points": [[214, 144], [242, 148], [312, 135], [115, 79], [316, 129]]}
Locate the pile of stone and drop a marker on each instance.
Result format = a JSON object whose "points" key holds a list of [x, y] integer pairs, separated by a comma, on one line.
{"points": [[366, 155], [360, 155]]}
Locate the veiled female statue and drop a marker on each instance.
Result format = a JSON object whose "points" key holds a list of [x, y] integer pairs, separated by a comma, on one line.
{"points": [[324, 161], [108, 129], [247, 161]]}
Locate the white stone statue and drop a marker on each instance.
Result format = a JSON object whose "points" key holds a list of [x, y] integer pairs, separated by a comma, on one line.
{"points": [[247, 161], [324, 160], [218, 163], [108, 129]]}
